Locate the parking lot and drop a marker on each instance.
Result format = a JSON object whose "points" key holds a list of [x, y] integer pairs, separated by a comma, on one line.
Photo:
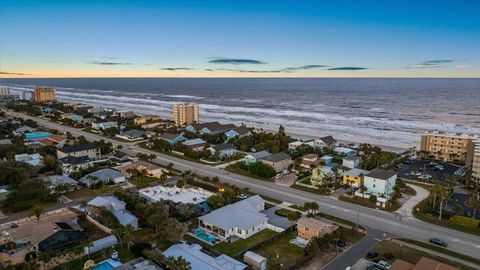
{"points": [[427, 171]]}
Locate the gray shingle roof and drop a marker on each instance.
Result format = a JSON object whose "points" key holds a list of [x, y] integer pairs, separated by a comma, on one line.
{"points": [[328, 140], [276, 157], [213, 126], [381, 174], [260, 155], [223, 146], [77, 148], [134, 133]]}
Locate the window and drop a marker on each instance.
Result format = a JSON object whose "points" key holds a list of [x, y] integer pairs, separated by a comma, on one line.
{"points": [[239, 231], [306, 229]]}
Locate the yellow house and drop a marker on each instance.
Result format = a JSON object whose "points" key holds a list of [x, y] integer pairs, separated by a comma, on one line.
{"points": [[322, 176], [354, 177]]}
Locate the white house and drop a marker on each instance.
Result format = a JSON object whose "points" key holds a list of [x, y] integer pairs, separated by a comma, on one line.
{"points": [[195, 144], [104, 125], [223, 150], [254, 157], [105, 176], [294, 145], [201, 261], [242, 219], [327, 141], [351, 162], [31, 159], [117, 208]]}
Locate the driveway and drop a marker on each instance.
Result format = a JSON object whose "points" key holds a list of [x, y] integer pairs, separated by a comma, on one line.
{"points": [[407, 207], [286, 180]]}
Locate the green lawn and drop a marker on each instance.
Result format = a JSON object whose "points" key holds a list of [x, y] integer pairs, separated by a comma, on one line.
{"points": [[367, 203], [318, 191], [289, 253], [238, 247], [286, 212], [142, 181], [338, 220], [235, 168]]}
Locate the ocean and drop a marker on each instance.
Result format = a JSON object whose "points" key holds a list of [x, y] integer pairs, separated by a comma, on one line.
{"points": [[392, 112]]}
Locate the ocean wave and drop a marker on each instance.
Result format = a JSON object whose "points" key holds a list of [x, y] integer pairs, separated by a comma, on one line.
{"points": [[183, 96]]}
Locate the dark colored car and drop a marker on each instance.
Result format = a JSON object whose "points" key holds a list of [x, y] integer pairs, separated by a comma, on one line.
{"points": [[340, 243], [438, 242], [372, 254]]}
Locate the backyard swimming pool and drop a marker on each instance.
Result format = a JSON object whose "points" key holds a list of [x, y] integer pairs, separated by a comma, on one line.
{"points": [[205, 236], [107, 265]]}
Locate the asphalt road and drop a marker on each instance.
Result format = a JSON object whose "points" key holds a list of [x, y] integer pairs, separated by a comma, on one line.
{"points": [[357, 251], [405, 227]]}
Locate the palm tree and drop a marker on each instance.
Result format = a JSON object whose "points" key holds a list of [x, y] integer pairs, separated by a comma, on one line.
{"points": [[37, 211], [474, 201], [128, 234], [178, 263]]}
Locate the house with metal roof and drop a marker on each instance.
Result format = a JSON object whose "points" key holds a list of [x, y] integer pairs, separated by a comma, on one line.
{"points": [[60, 181], [201, 261], [240, 132], [172, 138], [195, 144], [104, 125], [23, 129], [72, 116], [117, 208], [132, 135], [254, 157], [223, 150], [322, 176], [344, 151], [241, 219], [106, 176], [351, 161], [279, 161], [32, 159], [139, 264]]}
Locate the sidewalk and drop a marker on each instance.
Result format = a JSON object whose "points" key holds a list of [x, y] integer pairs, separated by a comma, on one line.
{"points": [[439, 254]]}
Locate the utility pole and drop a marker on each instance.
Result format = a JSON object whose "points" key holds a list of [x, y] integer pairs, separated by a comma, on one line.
{"points": [[358, 219]]}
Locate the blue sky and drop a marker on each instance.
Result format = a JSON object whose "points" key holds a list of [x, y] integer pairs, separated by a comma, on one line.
{"points": [[239, 39]]}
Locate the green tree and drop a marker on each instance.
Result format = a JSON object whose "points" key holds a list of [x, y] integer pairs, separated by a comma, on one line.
{"points": [[37, 211], [178, 263], [215, 201], [181, 183]]}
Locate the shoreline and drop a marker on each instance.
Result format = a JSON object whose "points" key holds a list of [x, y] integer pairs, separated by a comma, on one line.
{"points": [[295, 135]]}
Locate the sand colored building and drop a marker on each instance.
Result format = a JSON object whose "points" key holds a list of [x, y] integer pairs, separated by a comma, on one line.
{"points": [[4, 90], [448, 147], [43, 94], [476, 162], [310, 227], [186, 114]]}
